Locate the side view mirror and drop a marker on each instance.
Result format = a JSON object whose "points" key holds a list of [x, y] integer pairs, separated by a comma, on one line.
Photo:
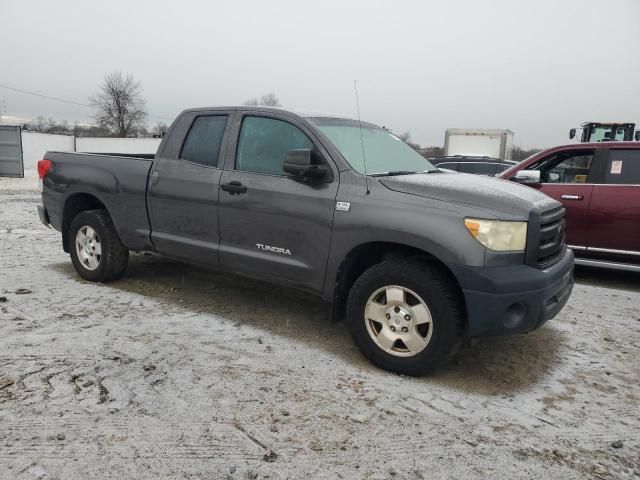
{"points": [[305, 164], [527, 177], [572, 133], [637, 136]]}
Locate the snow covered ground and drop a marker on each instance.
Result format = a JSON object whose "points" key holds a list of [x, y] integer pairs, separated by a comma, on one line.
{"points": [[180, 372]]}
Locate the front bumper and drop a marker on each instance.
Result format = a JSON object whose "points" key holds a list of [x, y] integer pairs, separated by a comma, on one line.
{"points": [[514, 299]]}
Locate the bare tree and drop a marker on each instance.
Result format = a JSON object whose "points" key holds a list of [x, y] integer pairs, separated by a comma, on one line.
{"points": [[159, 130], [48, 125], [141, 132], [119, 105], [40, 125], [267, 100], [431, 152], [51, 125], [406, 138], [270, 100], [518, 154]]}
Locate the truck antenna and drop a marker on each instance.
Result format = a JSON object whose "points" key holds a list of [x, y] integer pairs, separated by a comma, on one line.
{"points": [[364, 158]]}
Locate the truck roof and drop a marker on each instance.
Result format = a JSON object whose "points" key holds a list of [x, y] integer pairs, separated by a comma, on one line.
{"points": [[610, 144], [607, 123], [251, 108]]}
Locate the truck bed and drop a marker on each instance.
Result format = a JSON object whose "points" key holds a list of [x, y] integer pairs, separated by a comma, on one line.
{"points": [[119, 181], [135, 156]]}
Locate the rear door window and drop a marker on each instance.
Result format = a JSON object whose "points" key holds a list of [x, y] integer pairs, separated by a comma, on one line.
{"points": [[623, 167], [202, 145]]}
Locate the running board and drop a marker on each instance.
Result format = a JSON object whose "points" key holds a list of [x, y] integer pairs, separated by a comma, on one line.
{"points": [[603, 264]]}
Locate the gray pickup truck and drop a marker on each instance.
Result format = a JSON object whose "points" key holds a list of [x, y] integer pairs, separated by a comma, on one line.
{"points": [[413, 258]]}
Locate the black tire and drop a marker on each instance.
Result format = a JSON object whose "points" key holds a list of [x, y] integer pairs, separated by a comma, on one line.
{"points": [[115, 256], [441, 297]]}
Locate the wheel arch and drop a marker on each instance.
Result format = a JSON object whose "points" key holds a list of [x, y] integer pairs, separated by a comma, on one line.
{"points": [[364, 256], [73, 205]]}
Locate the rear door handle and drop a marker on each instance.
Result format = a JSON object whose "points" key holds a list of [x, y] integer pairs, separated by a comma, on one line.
{"points": [[571, 197], [154, 177], [234, 187]]}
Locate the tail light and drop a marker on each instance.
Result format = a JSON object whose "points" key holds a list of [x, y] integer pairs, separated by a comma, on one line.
{"points": [[43, 167]]}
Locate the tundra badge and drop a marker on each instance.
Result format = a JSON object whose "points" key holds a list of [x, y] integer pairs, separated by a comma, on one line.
{"points": [[343, 206], [269, 248]]}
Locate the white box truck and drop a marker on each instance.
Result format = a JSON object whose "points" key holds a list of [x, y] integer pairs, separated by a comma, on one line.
{"points": [[479, 142]]}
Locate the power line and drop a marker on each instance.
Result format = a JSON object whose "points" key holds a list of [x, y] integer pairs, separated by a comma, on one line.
{"points": [[27, 92], [44, 96]]}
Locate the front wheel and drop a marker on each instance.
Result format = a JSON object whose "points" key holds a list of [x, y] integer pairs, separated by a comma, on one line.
{"points": [[406, 316], [96, 251]]}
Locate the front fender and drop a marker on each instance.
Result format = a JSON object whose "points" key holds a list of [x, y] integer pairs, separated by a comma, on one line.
{"points": [[433, 227]]}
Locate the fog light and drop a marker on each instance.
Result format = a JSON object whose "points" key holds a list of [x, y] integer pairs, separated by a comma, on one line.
{"points": [[514, 315]]}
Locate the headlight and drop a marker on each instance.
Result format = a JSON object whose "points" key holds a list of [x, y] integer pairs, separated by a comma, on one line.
{"points": [[498, 235]]}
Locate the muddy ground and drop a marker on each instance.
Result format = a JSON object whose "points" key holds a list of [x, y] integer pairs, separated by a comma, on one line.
{"points": [[179, 372]]}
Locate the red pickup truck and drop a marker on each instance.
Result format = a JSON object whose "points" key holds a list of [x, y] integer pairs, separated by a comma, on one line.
{"points": [[599, 185]]}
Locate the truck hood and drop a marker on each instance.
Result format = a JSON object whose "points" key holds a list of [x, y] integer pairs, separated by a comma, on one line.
{"points": [[504, 199]]}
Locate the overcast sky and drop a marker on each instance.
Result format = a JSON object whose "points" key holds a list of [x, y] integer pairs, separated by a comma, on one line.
{"points": [[535, 67]]}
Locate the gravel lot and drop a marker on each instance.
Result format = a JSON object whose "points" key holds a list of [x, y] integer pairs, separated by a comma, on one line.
{"points": [[179, 372]]}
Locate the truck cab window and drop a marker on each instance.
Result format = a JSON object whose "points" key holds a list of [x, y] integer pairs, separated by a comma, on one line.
{"points": [[623, 167], [565, 167], [264, 143], [203, 141]]}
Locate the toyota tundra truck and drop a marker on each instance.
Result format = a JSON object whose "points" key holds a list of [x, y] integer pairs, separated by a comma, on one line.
{"points": [[414, 259]]}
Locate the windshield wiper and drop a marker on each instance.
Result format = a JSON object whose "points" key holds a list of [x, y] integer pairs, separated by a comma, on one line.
{"points": [[395, 173]]}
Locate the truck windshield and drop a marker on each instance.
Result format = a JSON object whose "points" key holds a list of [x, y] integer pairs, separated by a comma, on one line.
{"points": [[608, 133], [385, 153]]}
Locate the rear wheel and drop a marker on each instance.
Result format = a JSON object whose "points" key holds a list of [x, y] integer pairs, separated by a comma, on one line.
{"points": [[406, 316], [96, 251]]}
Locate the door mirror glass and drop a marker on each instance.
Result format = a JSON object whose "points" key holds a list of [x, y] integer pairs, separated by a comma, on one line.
{"points": [[305, 163], [572, 133], [527, 177]]}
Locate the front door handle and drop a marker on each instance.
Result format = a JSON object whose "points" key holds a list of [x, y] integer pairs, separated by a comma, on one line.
{"points": [[571, 197], [234, 187], [154, 177]]}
